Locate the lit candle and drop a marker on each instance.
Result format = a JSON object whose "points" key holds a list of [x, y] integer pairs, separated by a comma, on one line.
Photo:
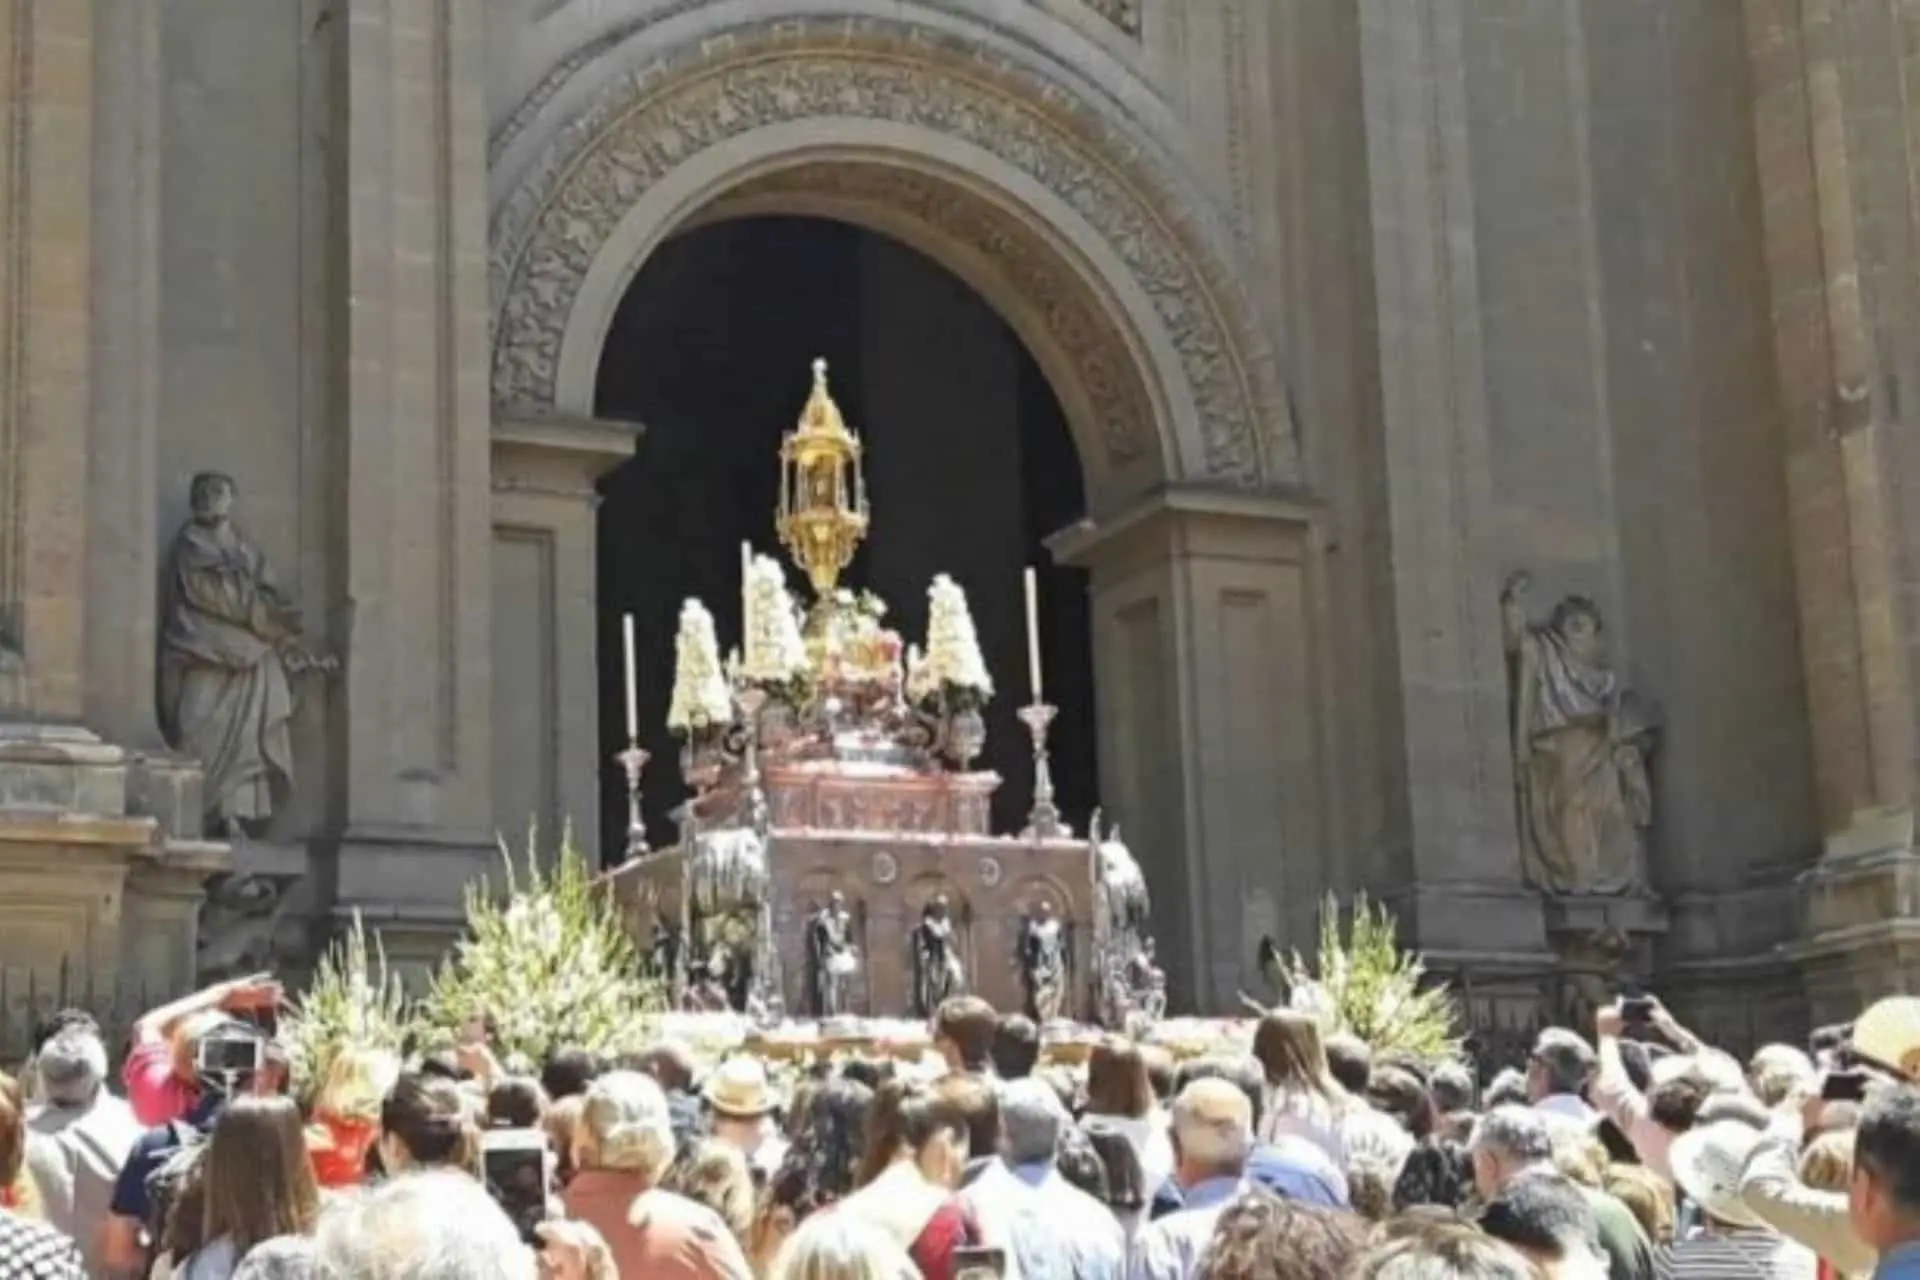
{"points": [[1033, 633], [633, 689]]}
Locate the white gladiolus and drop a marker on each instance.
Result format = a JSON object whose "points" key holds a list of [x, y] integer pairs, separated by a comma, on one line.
{"points": [[953, 647], [919, 682], [775, 651], [700, 694]]}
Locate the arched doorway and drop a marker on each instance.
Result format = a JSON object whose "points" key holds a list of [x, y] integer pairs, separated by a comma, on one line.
{"points": [[986, 148], [969, 462]]}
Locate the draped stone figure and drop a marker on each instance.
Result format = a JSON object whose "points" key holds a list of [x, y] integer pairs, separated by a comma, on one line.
{"points": [[229, 642], [1580, 749], [937, 972], [1043, 963], [831, 958]]}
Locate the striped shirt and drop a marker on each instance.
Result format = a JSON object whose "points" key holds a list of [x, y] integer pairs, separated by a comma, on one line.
{"points": [[1742, 1254]]}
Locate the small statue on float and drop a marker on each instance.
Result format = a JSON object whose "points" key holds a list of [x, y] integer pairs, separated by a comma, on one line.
{"points": [[937, 971], [1043, 964], [832, 959], [1146, 983], [707, 993]]}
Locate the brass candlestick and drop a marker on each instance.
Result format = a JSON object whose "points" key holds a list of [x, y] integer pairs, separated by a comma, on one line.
{"points": [[634, 760], [752, 701], [1043, 820]]}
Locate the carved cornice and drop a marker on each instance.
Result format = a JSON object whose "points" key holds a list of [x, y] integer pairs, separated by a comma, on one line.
{"points": [[546, 237]]}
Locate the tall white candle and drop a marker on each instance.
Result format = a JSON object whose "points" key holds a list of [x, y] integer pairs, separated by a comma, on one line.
{"points": [[1033, 633], [633, 687], [746, 600]]}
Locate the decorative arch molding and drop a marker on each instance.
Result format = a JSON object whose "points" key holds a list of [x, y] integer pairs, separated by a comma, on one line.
{"points": [[1074, 186]]}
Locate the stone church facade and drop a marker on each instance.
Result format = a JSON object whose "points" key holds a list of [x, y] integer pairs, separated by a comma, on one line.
{"points": [[1355, 310]]}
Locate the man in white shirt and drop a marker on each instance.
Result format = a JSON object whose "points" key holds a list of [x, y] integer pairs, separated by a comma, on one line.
{"points": [[1055, 1228]]}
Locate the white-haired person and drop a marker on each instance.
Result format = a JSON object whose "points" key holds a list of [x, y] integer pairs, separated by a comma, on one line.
{"points": [[439, 1224], [622, 1146], [841, 1246], [78, 1136], [1212, 1139]]}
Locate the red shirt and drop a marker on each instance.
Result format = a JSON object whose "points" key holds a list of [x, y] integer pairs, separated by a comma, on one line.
{"points": [[156, 1094]]}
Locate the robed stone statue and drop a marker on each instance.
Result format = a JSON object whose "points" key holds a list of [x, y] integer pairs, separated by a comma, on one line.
{"points": [[1580, 747], [1043, 963], [831, 957], [937, 971], [229, 642]]}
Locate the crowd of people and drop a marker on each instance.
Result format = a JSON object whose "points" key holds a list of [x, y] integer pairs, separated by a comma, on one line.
{"points": [[1625, 1151]]}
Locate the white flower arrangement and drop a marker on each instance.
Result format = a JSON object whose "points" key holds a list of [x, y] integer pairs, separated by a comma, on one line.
{"points": [[775, 652], [953, 662], [701, 697]]}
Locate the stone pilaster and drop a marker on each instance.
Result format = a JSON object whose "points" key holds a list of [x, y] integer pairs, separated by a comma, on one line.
{"points": [[416, 814], [1457, 815], [1213, 722], [46, 207], [1835, 139], [546, 709]]}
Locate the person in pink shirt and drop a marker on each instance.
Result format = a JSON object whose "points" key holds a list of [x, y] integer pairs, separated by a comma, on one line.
{"points": [[159, 1075], [1650, 1122]]}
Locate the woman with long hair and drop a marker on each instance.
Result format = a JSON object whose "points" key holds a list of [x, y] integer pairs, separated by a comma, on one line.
{"points": [[821, 1166], [346, 1113], [1120, 1096], [914, 1199], [1303, 1098], [254, 1183]]}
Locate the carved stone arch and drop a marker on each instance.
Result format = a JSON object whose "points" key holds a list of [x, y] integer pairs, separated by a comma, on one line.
{"points": [[1129, 298]]}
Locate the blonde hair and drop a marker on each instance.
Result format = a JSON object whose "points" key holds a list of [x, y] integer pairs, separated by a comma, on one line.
{"points": [[840, 1246], [716, 1175], [624, 1125], [357, 1081], [1647, 1197], [1578, 1154], [1827, 1162]]}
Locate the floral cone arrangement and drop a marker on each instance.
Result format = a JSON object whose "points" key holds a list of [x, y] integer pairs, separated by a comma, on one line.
{"points": [[353, 1001], [550, 965], [953, 666], [776, 656], [1364, 984], [701, 698]]}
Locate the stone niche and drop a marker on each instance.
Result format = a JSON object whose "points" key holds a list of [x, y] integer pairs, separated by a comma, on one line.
{"points": [[101, 878]]}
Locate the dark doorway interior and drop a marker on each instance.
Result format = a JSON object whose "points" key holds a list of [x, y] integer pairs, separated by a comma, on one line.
{"points": [[970, 464]]}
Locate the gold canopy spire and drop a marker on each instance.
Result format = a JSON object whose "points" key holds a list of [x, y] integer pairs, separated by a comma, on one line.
{"points": [[823, 491]]}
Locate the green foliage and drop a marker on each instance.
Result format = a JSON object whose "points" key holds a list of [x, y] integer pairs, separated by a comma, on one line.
{"points": [[550, 964], [352, 1000], [1364, 984]]}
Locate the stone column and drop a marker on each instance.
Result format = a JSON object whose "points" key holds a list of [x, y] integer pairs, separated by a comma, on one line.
{"points": [[1835, 139], [415, 515], [1467, 906], [1212, 723]]}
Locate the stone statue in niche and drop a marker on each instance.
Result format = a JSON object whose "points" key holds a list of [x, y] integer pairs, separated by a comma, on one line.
{"points": [[230, 644], [1580, 749]]}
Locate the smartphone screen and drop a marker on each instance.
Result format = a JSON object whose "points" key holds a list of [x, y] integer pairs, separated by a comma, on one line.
{"points": [[979, 1264], [229, 1055], [514, 1163]]}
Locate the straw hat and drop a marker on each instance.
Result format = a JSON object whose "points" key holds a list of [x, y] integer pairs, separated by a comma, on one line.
{"points": [[738, 1088], [1707, 1162], [1888, 1034]]}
